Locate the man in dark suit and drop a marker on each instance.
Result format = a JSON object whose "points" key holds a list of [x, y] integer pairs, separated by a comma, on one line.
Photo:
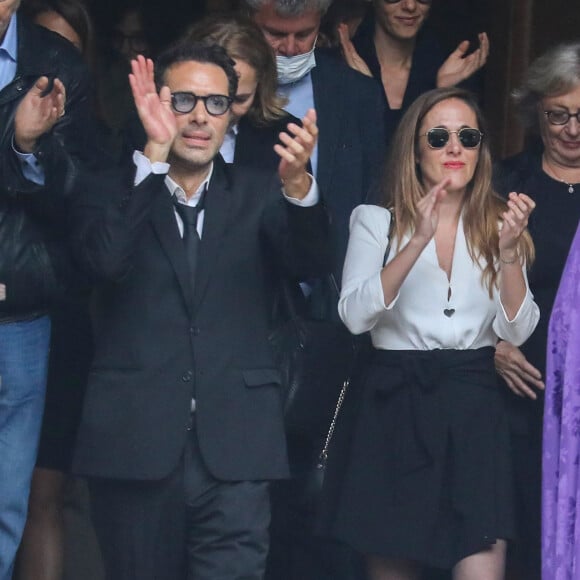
{"points": [[182, 426], [350, 107]]}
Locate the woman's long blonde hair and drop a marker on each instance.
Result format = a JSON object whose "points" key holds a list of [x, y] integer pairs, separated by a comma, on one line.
{"points": [[482, 208]]}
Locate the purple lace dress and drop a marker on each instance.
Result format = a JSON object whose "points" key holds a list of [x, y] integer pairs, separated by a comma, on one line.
{"points": [[561, 451]]}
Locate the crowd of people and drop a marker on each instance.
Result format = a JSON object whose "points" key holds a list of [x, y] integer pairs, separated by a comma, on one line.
{"points": [[157, 192]]}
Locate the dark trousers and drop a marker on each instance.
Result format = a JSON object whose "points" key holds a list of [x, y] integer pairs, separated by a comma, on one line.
{"points": [[188, 526]]}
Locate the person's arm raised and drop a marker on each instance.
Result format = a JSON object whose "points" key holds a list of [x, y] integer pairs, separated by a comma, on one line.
{"points": [[295, 151], [38, 113], [394, 273], [153, 109], [459, 67], [512, 284], [351, 56]]}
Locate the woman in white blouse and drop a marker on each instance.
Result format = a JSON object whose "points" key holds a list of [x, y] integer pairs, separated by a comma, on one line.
{"points": [[426, 477]]}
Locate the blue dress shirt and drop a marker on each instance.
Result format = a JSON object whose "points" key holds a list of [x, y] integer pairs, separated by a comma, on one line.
{"points": [[31, 168], [8, 52], [300, 97]]}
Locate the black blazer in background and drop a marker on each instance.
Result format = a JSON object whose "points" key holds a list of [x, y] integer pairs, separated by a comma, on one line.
{"points": [[351, 145], [157, 341], [255, 143]]}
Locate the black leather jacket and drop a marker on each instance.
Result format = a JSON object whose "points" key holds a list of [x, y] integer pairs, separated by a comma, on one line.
{"points": [[34, 255]]}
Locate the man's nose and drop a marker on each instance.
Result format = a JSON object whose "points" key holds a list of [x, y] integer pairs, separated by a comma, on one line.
{"points": [[288, 46], [199, 113]]}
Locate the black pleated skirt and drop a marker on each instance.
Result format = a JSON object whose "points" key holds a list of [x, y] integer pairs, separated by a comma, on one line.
{"points": [[419, 468]]}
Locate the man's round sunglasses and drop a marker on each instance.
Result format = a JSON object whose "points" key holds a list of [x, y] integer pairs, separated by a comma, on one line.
{"points": [[438, 137], [397, 1], [561, 117], [215, 105]]}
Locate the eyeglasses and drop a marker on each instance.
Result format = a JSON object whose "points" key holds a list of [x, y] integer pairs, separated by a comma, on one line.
{"points": [[438, 137], [397, 1], [561, 117], [215, 105]]}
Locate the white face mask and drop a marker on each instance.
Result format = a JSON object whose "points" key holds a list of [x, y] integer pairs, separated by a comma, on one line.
{"points": [[293, 68]]}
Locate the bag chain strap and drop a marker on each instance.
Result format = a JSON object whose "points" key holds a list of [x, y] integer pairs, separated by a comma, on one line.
{"points": [[324, 453], [323, 457]]}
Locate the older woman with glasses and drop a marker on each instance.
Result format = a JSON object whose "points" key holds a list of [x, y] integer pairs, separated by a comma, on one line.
{"points": [[548, 171], [391, 46], [420, 472]]}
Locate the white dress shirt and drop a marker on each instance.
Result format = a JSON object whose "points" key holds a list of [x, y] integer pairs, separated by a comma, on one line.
{"points": [[228, 148], [416, 319]]}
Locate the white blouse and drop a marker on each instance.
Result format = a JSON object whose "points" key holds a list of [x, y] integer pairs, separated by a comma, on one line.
{"points": [[421, 317]]}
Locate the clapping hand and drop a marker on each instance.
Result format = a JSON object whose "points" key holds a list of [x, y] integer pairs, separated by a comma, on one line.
{"points": [[352, 57], [38, 112], [428, 211], [154, 109], [515, 221], [459, 67], [295, 151]]}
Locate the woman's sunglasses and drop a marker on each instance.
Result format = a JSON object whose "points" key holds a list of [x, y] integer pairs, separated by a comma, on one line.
{"points": [[438, 137]]}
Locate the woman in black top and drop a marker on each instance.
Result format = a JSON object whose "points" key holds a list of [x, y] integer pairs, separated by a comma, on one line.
{"points": [[392, 46]]}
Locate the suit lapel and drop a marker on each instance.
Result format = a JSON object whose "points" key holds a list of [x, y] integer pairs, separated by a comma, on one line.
{"points": [[165, 225], [325, 87], [216, 214]]}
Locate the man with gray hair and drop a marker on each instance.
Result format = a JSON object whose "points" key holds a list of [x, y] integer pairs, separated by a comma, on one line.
{"points": [[346, 162], [350, 106]]}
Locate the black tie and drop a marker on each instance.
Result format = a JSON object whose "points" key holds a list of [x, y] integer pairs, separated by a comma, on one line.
{"points": [[188, 215]]}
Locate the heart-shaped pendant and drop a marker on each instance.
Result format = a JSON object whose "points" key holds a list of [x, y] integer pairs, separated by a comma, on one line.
{"points": [[449, 312]]}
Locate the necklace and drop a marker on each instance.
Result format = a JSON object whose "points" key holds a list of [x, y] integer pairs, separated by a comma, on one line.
{"points": [[554, 174]]}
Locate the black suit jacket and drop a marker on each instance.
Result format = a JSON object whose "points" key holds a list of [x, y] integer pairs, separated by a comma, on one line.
{"points": [[255, 143], [157, 341]]}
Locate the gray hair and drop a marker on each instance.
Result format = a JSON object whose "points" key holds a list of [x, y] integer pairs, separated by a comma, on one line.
{"points": [[289, 8], [555, 72]]}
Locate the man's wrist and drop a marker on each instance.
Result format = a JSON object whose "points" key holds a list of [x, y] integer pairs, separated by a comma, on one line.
{"points": [[24, 145], [156, 153], [298, 187]]}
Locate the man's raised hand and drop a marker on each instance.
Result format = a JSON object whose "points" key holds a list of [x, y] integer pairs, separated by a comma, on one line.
{"points": [[154, 109], [38, 112], [295, 152]]}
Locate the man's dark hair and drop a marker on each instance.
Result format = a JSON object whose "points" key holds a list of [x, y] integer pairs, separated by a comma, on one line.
{"points": [[201, 52]]}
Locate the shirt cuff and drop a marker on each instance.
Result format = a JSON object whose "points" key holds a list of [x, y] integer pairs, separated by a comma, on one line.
{"points": [[31, 167], [310, 199], [523, 311], [144, 167]]}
